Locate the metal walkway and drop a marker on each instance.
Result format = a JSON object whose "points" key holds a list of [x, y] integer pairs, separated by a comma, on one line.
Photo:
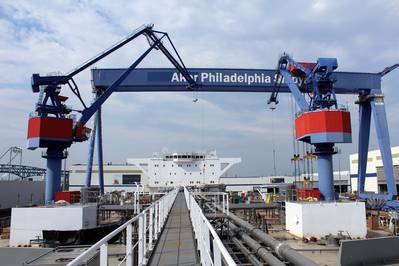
{"points": [[176, 245]]}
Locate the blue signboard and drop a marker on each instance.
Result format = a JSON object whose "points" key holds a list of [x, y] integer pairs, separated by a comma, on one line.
{"points": [[222, 80]]}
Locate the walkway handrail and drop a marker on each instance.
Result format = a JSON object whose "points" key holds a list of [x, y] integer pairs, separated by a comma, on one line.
{"points": [[150, 220], [205, 233]]}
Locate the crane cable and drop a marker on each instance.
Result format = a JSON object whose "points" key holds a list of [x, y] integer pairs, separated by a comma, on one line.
{"points": [[272, 108], [295, 157]]}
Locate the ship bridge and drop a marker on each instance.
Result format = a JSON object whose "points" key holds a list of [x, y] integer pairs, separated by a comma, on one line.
{"points": [[184, 157]]}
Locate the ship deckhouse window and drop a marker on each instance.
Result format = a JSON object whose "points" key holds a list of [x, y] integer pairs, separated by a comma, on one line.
{"points": [[195, 165], [200, 173], [180, 165], [163, 165], [212, 165]]}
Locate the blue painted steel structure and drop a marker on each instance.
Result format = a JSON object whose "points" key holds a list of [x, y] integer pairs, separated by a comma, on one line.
{"points": [[318, 83], [367, 85], [261, 81], [222, 80], [52, 105]]}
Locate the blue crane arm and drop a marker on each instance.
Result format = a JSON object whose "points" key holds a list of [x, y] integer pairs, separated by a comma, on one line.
{"points": [[144, 29], [89, 112], [156, 43], [38, 80], [282, 70], [299, 98], [388, 69], [53, 84]]}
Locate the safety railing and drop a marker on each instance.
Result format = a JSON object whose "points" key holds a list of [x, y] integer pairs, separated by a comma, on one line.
{"points": [[220, 199], [212, 250], [147, 225]]}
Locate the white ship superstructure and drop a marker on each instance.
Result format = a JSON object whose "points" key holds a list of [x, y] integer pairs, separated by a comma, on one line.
{"points": [[184, 168]]}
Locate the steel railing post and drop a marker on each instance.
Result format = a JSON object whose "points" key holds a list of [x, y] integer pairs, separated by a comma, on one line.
{"points": [[202, 237], [228, 204], [129, 245], [145, 232], [206, 239], [156, 220], [151, 225], [104, 254], [223, 204], [135, 202], [159, 216], [141, 241], [217, 258], [162, 212]]}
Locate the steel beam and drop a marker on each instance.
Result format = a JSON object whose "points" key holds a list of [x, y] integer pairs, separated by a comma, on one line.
{"points": [[363, 146], [381, 126], [90, 157], [100, 151], [222, 80]]}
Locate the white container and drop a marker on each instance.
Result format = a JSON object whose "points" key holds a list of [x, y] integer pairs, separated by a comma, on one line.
{"points": [[28, 223], [318, 219]]}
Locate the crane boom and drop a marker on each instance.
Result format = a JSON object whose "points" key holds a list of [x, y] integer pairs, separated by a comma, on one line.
{"points": [[51, 127]]}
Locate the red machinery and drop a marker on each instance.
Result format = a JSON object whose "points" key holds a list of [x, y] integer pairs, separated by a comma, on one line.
{"points": [[324, 127], [68, 196], [306, 194], [43, 131]]}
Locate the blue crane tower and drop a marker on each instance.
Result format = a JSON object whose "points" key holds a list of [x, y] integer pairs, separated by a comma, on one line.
{"points": [[320, 122], [53, 128]]}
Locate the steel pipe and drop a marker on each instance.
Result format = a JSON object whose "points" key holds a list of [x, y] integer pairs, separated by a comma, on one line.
{"points": [[251, 257], [282, 249], [261, 251]]}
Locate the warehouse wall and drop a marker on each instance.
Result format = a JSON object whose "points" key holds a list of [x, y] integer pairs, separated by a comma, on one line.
{"points": [[21, 193]]}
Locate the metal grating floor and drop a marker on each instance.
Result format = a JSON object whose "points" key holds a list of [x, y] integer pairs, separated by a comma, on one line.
{"points": [[176, 245]]}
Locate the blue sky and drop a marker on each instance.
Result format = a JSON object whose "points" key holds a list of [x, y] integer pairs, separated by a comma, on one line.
{"points": [[49, 36]]}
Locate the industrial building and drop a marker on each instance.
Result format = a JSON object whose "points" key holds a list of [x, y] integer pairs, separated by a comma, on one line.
{"points": [[116, 177], [375, 177]]}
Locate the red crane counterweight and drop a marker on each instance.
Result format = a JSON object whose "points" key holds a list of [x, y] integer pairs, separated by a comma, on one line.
{"points": [[326, 126]]}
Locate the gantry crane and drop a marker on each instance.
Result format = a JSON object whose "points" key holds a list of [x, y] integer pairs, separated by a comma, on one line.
{"points": [[366, 85], [53, 127], [320, 122]]}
